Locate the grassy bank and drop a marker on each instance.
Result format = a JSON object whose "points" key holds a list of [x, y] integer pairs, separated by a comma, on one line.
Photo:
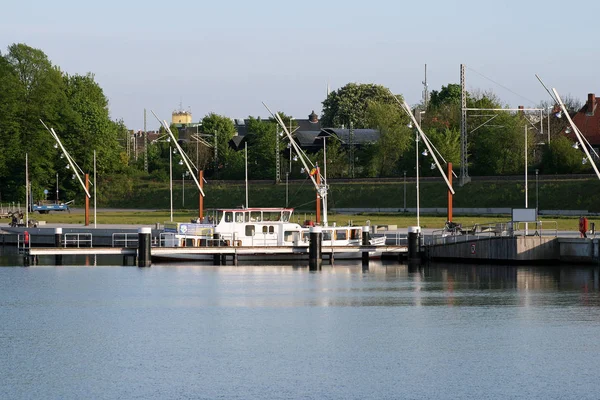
{"points": [[554, 194], [401, 220]]}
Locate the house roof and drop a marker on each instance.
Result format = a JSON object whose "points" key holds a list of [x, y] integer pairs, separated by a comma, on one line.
{"points": [[587, 120], [361, 136]]}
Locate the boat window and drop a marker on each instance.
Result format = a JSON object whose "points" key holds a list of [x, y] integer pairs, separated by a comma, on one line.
{"points": [[228, 216], [355, 234], [239, 217], [189, 243], [255, 216], [341, 235], [326, 235], [271, 215], [271, 229], [288, 236], [286, 216], [249, 230], [265, 229], [247, 216], [305, 236]]}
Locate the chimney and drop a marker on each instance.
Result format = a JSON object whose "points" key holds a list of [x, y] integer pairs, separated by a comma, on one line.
{"points": [[591, 104], [313, 118]]}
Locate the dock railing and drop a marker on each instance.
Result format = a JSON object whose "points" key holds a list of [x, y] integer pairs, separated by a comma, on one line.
{"points": [[77, 240], [494, 229], [125, 240]]}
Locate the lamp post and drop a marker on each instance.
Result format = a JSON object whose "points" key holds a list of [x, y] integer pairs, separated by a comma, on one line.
{"points": [[56, 188], [171, 180], [537, 192], [417, 169], [404, 191]]}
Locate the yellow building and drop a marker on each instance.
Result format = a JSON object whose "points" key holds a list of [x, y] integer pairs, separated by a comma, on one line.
{"points": [[181, 117]]}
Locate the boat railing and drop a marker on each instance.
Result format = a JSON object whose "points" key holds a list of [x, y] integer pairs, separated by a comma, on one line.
{"points": [[77, 240]]}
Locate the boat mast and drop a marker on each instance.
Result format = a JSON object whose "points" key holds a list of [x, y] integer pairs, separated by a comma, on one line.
{"points": [[320, 187]]}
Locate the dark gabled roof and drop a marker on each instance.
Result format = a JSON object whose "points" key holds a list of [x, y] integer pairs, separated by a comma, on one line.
{"points": [[237, 142], [361, 136], [306, 138], [306, 125]]}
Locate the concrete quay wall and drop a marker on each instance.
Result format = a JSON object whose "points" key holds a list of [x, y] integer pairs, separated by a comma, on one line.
{"points": [[518, 249]]}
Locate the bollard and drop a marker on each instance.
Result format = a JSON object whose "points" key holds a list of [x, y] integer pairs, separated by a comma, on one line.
{"points": [[414, 251], [365, 242], [58, 237], [58, 244], [314, 249], [144, 247], [215, 243]]}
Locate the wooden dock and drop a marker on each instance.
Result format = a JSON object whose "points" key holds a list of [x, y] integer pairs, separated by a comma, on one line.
{"points": [[266, 253]]}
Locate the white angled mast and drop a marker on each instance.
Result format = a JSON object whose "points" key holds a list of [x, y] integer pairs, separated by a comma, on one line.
{"points": [[181, 152], [578, 134], [72, 163], [406, 108], [322, 188]]}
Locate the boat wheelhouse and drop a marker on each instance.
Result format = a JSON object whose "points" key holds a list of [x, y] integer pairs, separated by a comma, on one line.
{"points": [[257, 227]]}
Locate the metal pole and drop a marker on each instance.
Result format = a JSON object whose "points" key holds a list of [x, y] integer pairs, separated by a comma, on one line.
{"points": [[171, 179], [246, 158], [548, 127], [183, 191], [404, 191], [526, 188], [26, 190], [417, 168], [56, 188], [95, 188], [526, 191], [537, 192]]}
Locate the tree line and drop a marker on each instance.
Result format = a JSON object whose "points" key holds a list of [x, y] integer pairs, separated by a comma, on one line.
{"points": [[34, 89]]}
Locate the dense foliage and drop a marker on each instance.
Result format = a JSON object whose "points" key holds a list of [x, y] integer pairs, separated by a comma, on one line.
{"points": [[33, 90]]}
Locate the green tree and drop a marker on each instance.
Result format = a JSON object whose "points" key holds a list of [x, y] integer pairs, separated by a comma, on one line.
{"points": [[41, 95], [348, 105], [224, 129], [561, 158], [90, 127], [498, 149], [394, 137], [262, 137]]}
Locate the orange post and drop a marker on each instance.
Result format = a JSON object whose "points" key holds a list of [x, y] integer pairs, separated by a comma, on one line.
{"points": [[318, 199], [449, 192], [200, 197], [87, 200]]}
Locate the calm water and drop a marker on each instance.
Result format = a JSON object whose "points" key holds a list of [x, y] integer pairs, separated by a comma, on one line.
{"points": [[279, 332]]}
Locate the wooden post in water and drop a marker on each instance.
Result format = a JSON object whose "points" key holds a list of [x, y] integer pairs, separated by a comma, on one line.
{"points": [[200, 197], [449, 192], [87, 200]]}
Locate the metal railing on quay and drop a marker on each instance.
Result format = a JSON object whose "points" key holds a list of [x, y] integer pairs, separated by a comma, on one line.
{"points": [[77, 240], [125, 240]]}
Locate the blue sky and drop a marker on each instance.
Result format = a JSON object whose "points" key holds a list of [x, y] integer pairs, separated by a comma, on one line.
{"points": [[229, 56]]}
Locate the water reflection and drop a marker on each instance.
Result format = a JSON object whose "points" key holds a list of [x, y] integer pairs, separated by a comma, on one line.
{"points": [[282, 331]]}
